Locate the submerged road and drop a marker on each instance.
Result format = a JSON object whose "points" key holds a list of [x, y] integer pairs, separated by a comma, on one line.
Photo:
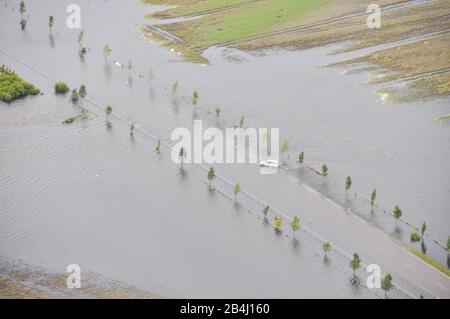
{"points": [[344, 230], [328, 221]]}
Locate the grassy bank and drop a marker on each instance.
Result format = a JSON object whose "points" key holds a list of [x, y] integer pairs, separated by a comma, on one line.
{"points": [[19, 281], [10, 289], [427, 259], [420, 63], [299, 24], [189, 54], [239, 22]]}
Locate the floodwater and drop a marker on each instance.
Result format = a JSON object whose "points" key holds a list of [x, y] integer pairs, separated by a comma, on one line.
{"points": [[89, 195]]}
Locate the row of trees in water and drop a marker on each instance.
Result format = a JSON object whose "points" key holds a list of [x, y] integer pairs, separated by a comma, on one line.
{"points": [[397, 213], [278, 221], [355, 262]]}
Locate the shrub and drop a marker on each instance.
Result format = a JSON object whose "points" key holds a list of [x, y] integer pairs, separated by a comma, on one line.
{"points": [[74, 96], [61, 88], [71, 119], [13, 87], [415, 236]]}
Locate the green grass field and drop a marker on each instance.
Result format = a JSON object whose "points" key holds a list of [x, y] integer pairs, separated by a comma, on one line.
{"points": [[230, 20], [261, 17]]}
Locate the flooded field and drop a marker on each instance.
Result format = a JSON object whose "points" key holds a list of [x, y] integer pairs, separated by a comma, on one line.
{"points": [[86, 194]]}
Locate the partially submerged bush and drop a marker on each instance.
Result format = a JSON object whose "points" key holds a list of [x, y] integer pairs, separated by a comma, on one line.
{"points": [[415, 236], [75, 96], [61, 88], [13, 87], [71, 119]]}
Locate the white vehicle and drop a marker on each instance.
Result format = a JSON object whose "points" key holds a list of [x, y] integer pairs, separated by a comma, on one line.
{"points": [[269, 163], [118, 64]]}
